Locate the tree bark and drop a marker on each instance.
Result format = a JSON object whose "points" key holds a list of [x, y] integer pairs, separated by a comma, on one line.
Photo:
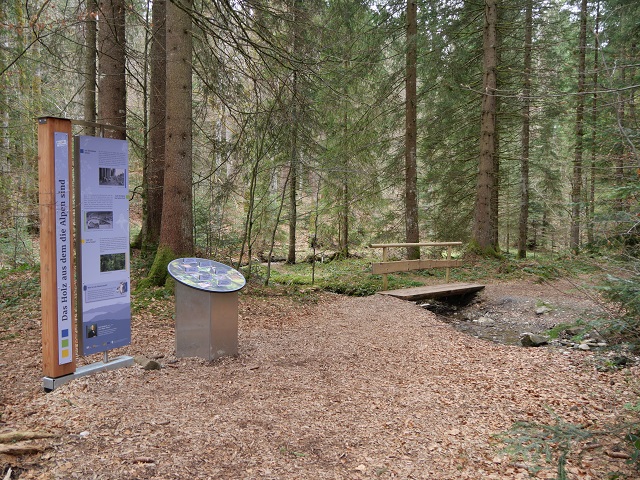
{"points": [[90, 67], [112, 92], [594, 131], [154, 178], [5, 139], [293, 175], [176, 231], [621, 148], [576, 182], [485, 225], [344, 194], [525, 135], [410, 161], [294, 160]]}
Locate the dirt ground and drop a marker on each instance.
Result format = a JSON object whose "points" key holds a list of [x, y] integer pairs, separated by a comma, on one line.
{"points": [[337, 387]]}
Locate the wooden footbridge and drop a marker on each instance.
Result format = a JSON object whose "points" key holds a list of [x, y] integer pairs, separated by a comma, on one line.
{"points": [[418, 293]]}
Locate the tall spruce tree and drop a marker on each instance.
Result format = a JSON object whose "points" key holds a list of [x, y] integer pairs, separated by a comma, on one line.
{"points": [[576, 181], [154, 168], [295, 119], [412, 233], [176, 232], [112, 89], [90, 66], [523, 223], [485, 224]]}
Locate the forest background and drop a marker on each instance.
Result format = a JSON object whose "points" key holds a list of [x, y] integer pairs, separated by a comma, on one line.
{"points": [[272, 130]]}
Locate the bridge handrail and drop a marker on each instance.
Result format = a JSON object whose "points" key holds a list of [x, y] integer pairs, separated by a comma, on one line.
{"points": [[385, 266], [419, 244]]}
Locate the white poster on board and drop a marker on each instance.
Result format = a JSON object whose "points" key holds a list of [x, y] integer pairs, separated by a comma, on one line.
{"points": [[64, 275], [105, 302]]}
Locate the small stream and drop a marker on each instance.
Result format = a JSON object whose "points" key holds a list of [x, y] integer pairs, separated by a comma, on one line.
{"points": [[465, 317]]}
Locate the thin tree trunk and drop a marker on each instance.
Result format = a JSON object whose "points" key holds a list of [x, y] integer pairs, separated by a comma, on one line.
{"points": [[483, 226], [594, 130], [411, 169], [525, 136], [294, 160], [344, 210], [6, 169], [154, 180], [275, 231], [248, 223], [625, 120], [315, 233], [293, 184], [344, 220], [574, 241], [139, 242]]}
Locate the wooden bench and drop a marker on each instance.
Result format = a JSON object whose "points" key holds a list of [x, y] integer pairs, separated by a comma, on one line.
{"points": [[449, 289]]}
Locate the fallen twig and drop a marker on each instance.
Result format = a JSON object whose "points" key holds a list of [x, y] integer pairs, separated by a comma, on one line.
{"points": [[622, 455], [11, 437], [21, 449]]}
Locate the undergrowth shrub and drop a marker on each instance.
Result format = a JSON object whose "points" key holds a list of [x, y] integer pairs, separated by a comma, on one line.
{"points": [[626, 293], [546, 445], [539, 444]]}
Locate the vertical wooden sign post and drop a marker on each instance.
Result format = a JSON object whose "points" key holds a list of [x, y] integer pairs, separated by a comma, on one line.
{"points": [[56, 246]]}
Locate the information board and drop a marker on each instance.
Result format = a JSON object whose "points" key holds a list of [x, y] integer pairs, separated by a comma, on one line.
{"points": [[104, 313], [64, 275]]}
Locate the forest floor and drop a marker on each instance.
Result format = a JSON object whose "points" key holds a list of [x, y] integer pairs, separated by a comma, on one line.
{"points": [[327, 386]]}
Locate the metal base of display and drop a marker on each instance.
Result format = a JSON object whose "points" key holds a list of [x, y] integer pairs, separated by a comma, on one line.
{"points": [[49, 384], [206, 323]]}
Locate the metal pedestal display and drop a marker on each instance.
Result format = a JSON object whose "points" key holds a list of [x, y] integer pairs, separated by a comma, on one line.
{"points": [[206, 307]]}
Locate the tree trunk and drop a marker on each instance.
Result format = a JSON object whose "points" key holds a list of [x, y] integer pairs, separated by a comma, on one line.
{"points": [[525, 136], [295, 114], [112, 92], [154, 180], [344, 220], [6, 169], [410, 160], [484, 224], [576, 182], [250, 208], [176, 233], [618, 173], [275, 231], [495, 205], [344, 210], [293, 175], [594, 130], [90, 82]]}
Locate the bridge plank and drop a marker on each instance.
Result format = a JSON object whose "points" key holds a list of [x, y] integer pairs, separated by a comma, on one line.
{"points": [[434, 291]]}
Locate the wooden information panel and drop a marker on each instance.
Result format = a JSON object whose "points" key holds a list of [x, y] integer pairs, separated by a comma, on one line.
{"points": [[56, 246]]}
